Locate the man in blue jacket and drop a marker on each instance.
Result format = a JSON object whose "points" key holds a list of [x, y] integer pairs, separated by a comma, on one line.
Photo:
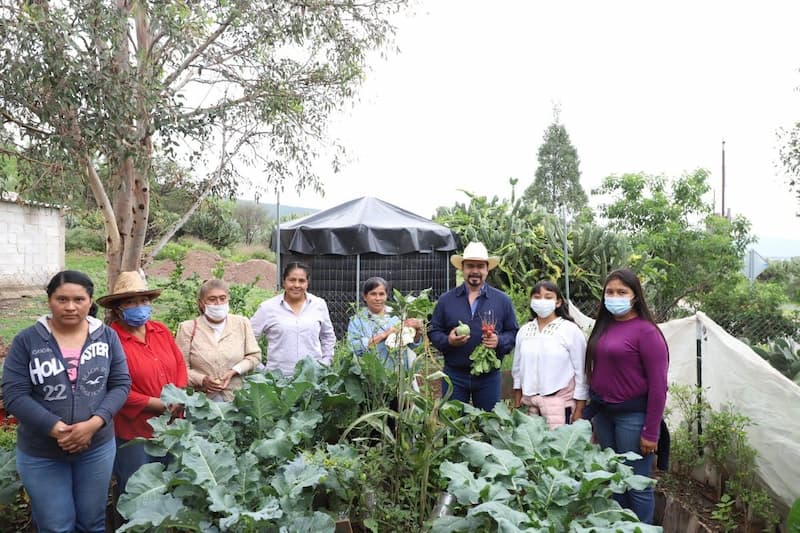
{"points": [[474, 303]]}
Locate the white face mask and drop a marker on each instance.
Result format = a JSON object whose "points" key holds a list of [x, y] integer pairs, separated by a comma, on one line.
{"points": [[543, 308], [217, 313]]}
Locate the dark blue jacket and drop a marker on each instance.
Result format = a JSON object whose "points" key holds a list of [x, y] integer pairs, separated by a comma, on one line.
{"points": [[37, 390], [453, 306]]}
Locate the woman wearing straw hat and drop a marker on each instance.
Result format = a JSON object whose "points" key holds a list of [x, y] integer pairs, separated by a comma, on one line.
{"points": [[154, 360]]}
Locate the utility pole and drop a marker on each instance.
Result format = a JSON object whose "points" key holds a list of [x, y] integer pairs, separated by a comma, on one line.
{"points": [[566, 252], [723, 179], [278, 237]]}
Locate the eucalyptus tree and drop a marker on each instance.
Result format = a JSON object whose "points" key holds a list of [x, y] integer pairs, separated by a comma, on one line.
{"points": [[97, 89]]}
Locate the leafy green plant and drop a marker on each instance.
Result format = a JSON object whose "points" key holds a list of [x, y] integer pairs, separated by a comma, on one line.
{"points": [[84, 240], [723, 443], [8, 436], [759, 505], [9, 479], [725, 439], [174, 251], [783, 354], [793, 520], [724, 513], [255, 463], [748, 311], [294, 454], [519, 475], [242, 253], [691, 408], [178, 300]]}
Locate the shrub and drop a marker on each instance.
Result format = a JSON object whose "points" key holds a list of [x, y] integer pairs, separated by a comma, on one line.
{"points": [[214, 228], [85, 240], [196, 243], [724, 439], [172, 250], [753, 312], [8, 436], [242, 253], [784, 355]]}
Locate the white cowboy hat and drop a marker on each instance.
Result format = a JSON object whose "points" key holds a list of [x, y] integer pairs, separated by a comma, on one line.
{"points": [[128, 284], [475, 251]]}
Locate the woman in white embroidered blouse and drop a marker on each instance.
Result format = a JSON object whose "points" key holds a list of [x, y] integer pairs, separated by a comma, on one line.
{"points": [[549, 360]]}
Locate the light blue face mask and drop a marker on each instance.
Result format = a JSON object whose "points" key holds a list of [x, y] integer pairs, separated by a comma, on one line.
{"points": [[137, 316], [618, 306]]}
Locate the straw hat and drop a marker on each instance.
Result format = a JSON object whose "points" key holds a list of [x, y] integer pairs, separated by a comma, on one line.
{"points": [[128, 284], [475, 251]]}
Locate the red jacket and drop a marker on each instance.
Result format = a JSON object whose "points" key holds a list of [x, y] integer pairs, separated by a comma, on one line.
{"points": [[152, 364]]}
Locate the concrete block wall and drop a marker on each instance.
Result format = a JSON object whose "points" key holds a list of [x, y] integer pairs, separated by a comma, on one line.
{"points": [[32, 239]]}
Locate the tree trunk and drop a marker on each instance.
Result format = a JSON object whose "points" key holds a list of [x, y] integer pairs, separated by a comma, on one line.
{"points": [[131, 179]]}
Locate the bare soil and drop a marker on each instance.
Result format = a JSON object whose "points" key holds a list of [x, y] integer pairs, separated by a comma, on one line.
{"points": [[695, 496], [253, 272]]}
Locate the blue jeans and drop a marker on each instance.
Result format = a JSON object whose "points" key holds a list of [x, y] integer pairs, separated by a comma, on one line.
{"points": [[621, 432], [129, 459], [68, 494], [483, 390]]}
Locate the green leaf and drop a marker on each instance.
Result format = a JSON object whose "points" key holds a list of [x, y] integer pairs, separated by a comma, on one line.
{"points": [[637, 482], [793, 519], [208, 463], [146, 500], [493, 462], [314, 523], [171, 394], [611, 521], [463, 483], [570, 440], [528, 436], [268, 509], [501, 513], [9, 479], [295, 476], [247, 484], [277, 446], [453, 524]]}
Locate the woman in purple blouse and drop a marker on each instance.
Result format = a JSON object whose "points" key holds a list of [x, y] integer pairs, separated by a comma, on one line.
{"points": [[626, 367]]}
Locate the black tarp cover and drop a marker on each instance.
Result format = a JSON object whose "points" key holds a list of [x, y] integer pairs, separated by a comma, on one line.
{"points": [[362, 226]]}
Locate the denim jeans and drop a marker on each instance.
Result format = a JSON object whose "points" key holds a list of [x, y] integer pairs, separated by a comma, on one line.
{"points": [[69, 494], [129, 459], [621, 432], [483, 390]]}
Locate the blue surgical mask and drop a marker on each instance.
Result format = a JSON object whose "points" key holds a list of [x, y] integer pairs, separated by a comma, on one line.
{"points": [[137, 316], [618, 306]]}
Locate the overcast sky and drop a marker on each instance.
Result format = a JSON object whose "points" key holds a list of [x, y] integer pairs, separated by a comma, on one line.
{"points": [[642, 86]]}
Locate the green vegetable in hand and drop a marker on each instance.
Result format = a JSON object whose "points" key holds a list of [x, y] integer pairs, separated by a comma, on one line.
{"points": [[462, 329], [483, 360]]}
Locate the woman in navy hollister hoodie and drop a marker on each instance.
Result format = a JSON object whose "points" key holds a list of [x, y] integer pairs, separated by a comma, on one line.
{"points": [[64, 378]]}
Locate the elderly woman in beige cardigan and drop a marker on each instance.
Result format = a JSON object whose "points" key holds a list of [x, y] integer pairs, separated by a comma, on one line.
{"points": [[218, 347]]}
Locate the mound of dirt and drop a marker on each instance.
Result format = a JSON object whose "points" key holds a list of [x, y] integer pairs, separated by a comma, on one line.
{"points": [[255, 271]]}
